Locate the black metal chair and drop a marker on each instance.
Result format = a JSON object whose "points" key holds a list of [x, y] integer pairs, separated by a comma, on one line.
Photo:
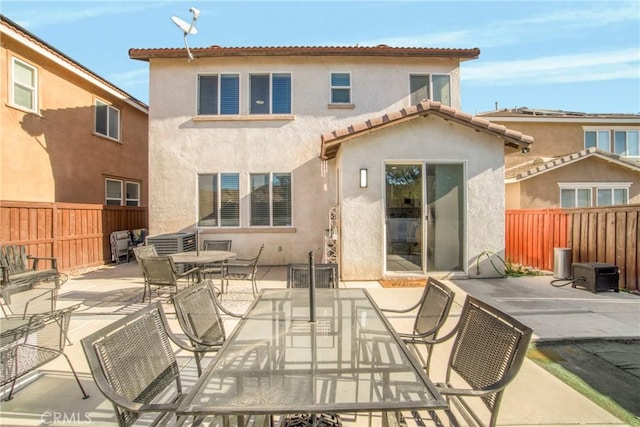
{"points": [[487, 354], [215, 269], [133, 365], [326, 275], [432, 311], [242, 269], [199, 317], [26, 348]]}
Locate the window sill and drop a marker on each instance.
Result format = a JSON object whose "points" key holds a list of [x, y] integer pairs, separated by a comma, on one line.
{"points": [[241, 118], [24, 110], [99, 135], [341, 106], [245, 230]]}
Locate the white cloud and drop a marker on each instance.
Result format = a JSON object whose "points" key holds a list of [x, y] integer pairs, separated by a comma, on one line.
{"points": [[593, 66], [130, 78], [70, 12]]}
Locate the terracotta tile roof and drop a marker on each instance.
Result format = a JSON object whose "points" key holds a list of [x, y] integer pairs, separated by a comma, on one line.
{"points": [[291, 51], [330, 142], [41, 44], [535, 167]]}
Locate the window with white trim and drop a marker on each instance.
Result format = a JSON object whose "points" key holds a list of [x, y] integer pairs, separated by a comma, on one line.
{"points": [[114, 195], [107, 120], [24, 86], [624, 142], [588, 194], [218, 94], [270, 93], [435, 87], [270, 199], [340, 88], [132, 193], [113, 192], [219, 200]]}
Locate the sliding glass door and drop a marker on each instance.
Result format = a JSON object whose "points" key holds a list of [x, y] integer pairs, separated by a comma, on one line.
{"points": [[424, 210]]}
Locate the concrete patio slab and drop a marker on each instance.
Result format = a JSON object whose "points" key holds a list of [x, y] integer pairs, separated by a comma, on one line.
{"points": [[535, 398]]}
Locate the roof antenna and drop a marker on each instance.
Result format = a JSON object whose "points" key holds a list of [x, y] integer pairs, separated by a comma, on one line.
{"points": [[187, 28]]}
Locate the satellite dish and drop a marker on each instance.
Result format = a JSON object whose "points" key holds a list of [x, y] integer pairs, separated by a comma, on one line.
{"points": [[187, 28]]}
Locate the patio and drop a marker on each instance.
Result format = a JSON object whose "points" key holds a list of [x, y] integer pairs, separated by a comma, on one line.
{"points": [[116, 290]]}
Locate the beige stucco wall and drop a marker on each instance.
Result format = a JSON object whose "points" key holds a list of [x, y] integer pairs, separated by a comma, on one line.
{"points": [[542, 191], [54, 156], [181, 146], [434, 140]]}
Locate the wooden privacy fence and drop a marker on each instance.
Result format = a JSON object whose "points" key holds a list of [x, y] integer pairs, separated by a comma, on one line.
{"points": [[605, 234], [76, 234]]}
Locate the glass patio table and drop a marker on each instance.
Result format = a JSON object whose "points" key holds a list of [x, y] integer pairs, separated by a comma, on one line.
{"points": [[201, 257], [278, 362]]}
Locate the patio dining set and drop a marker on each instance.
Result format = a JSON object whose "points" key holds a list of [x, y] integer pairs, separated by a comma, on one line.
{"points": [[304, 355]]}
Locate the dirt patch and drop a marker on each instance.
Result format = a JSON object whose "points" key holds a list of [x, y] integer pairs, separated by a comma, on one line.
{"points": [[403, 283]]}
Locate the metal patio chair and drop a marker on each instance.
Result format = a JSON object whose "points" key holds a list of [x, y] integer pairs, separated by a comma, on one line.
{"points": [[199, 317], [487, 354], [133, 364], [26, 348], [242, 269], [161, 272], [215, 269], [326, 275], [432, 311]]}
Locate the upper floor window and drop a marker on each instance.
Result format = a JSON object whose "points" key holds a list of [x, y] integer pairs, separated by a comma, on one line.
{"points": [[626, 143], [271, 199], [114, 193], [219, 200], [436, 87], [270, 93], [340, 88], [25, 86], [107, 120], [621, 142], [218, 94]]}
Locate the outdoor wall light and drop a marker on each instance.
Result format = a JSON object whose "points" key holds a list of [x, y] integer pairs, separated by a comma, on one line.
{"points": [[363, 178]]}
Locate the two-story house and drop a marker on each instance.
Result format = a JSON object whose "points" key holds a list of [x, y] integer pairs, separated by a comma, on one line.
{"points": [[578, 160], [277, 145], [68, 136]]}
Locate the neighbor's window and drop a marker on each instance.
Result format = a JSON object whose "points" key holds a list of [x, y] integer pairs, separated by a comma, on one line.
{"points": [[340, 88], [219, 200], [612, 196], [218, 94], [597, 138], [25, 93], [581, 195], [270, 199], [114, 195], [107, 120], [113, 191], [575, 198], [626, 143], [435, 87], [270, 93], [132, 195]]}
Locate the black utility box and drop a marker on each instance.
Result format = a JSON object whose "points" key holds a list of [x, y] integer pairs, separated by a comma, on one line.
{"points": [[595, 276]]}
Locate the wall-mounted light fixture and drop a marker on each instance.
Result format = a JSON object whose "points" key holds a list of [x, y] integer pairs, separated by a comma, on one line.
{"points": [[364, 179]]}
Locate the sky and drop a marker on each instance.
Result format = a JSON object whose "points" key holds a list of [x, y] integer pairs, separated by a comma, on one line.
{"points": [[578, 55]]}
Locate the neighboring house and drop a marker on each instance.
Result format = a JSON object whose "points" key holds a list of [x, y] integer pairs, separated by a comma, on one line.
{"points": [[68, 135], [578, 160], [263, 145]]}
